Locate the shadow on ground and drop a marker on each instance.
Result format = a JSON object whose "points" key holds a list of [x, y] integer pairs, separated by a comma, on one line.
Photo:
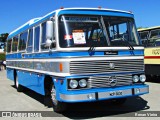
{"points": [[95, 109], [153, 79]]}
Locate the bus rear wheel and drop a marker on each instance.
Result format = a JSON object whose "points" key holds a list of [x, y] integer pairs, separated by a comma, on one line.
{"points": [[57, 105], [19, 87]]}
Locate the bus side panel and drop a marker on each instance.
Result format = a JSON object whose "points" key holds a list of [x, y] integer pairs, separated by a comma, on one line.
{"points": [[32, 81], [10, 74]]}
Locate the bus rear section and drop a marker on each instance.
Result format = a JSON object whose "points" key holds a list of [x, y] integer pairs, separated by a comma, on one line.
{"points": [[88, 56]]}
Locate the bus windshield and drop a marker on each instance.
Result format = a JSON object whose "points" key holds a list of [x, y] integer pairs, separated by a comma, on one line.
{"points": [[97, 31]]}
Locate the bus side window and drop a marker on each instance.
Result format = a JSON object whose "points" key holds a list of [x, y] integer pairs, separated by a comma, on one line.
{"points": [[9, 45], [53, 45], [30, 41], [23, 41], [14, 44], [36, 38], [43, 40]]}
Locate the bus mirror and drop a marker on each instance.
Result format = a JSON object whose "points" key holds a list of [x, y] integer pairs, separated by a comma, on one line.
{"points": [[49, 33], [48, 42]]}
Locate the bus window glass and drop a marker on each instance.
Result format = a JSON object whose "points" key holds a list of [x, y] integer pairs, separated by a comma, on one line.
{"points": [[77, 31], [36, 39], [22, 41], [155, 34], [154, 38], [30, 41], [82, 31], [9, 45], [144, 35], [121, 31], [15, 44], [43, 41]]}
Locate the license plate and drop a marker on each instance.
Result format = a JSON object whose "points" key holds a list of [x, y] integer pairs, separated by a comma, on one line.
{"points": [[116, 93]]}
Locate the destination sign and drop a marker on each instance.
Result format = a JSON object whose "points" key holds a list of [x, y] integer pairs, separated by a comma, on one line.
{"points": [[79, 19]]}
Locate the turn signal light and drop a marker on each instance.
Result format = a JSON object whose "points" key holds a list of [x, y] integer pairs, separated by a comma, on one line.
{"points": [[60, 67]]}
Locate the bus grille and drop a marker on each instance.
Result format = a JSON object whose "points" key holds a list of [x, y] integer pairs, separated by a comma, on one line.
{"points": [[103, 81], [103, 66]]}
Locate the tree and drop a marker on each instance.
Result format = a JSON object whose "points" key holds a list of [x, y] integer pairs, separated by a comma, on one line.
{"points": [[3, 37]]}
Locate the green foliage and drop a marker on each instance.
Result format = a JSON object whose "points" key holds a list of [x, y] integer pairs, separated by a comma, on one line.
{"points": [[3, 37], [2, 56]]}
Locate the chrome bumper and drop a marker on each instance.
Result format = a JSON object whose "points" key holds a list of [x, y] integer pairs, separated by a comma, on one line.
{"points": [[109, 94]]}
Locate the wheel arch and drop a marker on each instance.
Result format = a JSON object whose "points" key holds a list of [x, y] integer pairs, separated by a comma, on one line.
{"points": [[47, 82]]}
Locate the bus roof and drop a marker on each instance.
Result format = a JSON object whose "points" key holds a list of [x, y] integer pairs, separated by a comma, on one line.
{"points": [[85, 11], [149, 28]]}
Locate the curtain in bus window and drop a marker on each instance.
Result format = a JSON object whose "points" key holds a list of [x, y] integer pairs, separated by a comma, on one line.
{"points": [[15, 44], [30, 41], [36, 39], [22, 41], [9, 45]]}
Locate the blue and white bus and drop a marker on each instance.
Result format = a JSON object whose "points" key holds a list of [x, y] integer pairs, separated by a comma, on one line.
{"points": [[78, 55]]}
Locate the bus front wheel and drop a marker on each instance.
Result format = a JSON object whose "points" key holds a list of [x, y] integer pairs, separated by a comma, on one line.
{"points": [[57, 105]]}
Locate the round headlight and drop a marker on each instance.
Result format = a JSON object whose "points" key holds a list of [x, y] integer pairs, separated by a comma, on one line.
{"points": [[82, 83], [142, 78], [135, 78], [73, 84]]}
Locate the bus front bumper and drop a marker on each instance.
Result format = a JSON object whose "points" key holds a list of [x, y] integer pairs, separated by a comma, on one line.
{"points": [[104, 94]]}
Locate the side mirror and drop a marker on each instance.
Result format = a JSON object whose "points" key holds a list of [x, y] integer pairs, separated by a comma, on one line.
{"points": [[49, 33]]}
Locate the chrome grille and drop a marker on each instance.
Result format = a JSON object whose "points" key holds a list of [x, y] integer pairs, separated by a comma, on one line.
{"points": [[102, 66], [103, 81]]}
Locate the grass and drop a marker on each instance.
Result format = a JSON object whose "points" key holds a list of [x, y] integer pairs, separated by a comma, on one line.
{"points": [[2, 56]]}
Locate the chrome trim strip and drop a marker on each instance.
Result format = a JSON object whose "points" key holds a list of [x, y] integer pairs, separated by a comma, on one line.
{"points": [[83, 59], [98, 48], [41, 71]]}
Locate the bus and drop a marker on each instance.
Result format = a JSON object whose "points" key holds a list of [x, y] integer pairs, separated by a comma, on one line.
{"points": [[1, 47], [150, 38], [76, 55]]}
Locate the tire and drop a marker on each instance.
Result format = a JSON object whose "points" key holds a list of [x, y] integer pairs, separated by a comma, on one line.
{"points": [[19, 87], [119, 101], [57, 105]]}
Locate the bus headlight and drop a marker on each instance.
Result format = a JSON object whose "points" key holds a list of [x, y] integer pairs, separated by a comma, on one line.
{"points": [[135, 78], [142, 78], [82, 83], [73, 84]]}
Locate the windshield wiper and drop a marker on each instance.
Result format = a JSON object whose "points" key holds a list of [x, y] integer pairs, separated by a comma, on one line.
{"points": [[91, 49], [129, 45], [123, 39]]}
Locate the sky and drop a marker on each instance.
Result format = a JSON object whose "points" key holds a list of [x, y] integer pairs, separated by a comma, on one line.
{"points": [[14, 13]]}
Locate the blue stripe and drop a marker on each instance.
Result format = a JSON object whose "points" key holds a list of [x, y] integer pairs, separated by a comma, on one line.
{"points": [[74, 54]]}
